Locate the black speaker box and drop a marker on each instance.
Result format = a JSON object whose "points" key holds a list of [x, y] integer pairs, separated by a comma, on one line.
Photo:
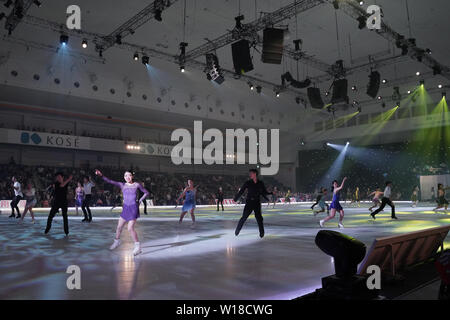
{"points": [[241, 57], [315, 99], [374, 84], [273, 41], [340, 89]]}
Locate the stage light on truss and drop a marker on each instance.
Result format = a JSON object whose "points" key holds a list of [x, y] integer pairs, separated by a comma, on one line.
{"points": [[384, 81], [250, 85], [422, 82], [277, 94], [409, 91], [145, 60], [327, 93], [348, 142], [361, 3], [397, 104], [379, 97], [84, 44], [418, 73], [182, 69], [258, 89], [64, 39], [440, 86], [359, 109], [158, 15], [354, 88], [444, 94], [136, 56]]}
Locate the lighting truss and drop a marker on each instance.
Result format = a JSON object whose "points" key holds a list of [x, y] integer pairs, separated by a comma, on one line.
{"points": [[353, 9], [250, 30], [12, 21], [131, 25]]}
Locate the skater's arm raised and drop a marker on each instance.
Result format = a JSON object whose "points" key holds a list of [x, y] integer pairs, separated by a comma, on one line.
{"points": [[67, 181], [100, 174], [342, 185]]}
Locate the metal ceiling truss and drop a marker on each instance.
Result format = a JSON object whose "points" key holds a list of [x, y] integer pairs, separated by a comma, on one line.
{"points": [[19, 10], [133, 48], [353, 9], [132, 24]]}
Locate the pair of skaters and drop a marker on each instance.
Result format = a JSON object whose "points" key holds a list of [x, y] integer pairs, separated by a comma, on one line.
{"points": [[29, 194], [320, 201]]}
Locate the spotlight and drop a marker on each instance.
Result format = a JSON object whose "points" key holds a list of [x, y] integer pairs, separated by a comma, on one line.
{"points": [[422, 82], [84, 44], [258, 89], [417, 73], [354, 88], [251, 86], [238, 20], [277, 94], [384, 81], [64, 39], [355, 102], [409, 91], [440, 86], [327, 93], [136, 56], [443, 94], [145, 60], [379, 97], [182, 69], [398, 104], [359, 109], [328, 143], [348, 142]]}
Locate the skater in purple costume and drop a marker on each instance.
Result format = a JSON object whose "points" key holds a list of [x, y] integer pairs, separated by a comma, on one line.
{"points": [[335, 205], [130, 210]]}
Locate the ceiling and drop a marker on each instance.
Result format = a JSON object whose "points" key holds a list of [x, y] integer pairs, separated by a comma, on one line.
{"points": [[212, 18]]}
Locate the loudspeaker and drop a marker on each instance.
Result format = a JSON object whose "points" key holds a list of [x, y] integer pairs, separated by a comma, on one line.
{"points": [[241, 57], [340, 89], [272, 45], [315, 99], [374, 84]]}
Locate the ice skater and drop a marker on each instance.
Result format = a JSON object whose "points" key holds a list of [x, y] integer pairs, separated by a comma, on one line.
{"points": [[442, 202], [189, 201], [319, 196], [87, 187], [335, 205], [274, 197], [376, 198], [130, 208], [321, 202], [219, 198], [79, 197], [415, 197], [30, 197], [255, 189], [386, 200], [59, 202], [18, 196]]}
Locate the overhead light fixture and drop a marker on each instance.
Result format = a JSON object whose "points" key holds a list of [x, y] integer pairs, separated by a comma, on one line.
{"points": [[418, 73], [145, 60], [258, 89], [182, 69], [84, 44], [443, 94], [361, 3], [136, 56], [251, 86], [64, 39], [379, 97], [398, 104], [348, 142], [440, 86], [354, 88], [384, 81], [422, 82], [327, 93], [409, 91], [277, 94], [213, 70], [158, 15], [238, 20]]}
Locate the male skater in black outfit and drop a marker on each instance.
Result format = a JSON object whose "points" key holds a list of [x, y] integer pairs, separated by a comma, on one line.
{"points": [[386, 200], [255, 189], [219, 197], [59, 201]]}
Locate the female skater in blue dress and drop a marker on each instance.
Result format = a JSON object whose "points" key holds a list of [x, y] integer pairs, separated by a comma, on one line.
{"points": [[130, 208], [189, 201], [335, 205]]}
